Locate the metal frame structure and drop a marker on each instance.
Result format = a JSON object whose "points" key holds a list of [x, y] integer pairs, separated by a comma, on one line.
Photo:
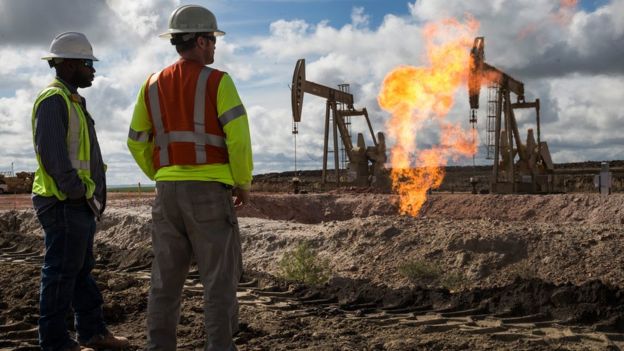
{"points": [[360, 155], [533, 172]]}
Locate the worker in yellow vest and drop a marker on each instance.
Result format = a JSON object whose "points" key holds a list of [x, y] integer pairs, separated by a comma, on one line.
{"points": [[190, 133], [69, 193]]}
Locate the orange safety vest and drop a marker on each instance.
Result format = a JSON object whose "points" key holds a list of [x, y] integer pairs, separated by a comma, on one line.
{"points": [[185, 121]]}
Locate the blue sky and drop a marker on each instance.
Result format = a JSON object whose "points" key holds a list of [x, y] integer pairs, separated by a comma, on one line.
{"points": [[335, 12], [573, 64]]}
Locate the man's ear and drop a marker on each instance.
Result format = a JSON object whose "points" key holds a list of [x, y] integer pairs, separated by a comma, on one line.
{"points": [[204, 40]]}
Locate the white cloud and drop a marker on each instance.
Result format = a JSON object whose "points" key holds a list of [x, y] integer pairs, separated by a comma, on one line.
{"points": [[143, 16], [590, 104], [573, 67], [16, 131], [359, 18]]}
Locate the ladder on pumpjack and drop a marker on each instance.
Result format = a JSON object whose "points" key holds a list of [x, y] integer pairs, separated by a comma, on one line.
{"points": [[493, 91], [344, 158], [342, 152]]}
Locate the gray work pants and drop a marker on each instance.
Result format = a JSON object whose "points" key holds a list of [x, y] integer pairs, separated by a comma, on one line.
{"points": [[194, 218]]}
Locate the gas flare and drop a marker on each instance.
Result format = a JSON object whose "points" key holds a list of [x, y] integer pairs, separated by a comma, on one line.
{"points": [[414, 95]]}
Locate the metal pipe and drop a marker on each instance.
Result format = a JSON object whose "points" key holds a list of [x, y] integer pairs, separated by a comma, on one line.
{"points": [[336, 155], [325, 144], [511, 176], [370, 127], [499, 108]]}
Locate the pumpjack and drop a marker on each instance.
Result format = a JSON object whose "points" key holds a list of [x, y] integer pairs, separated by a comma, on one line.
{"points": [[518, 167], [367, 163]]}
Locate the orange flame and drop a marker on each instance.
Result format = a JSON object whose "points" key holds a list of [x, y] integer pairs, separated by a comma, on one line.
{"points": [[415, 94]]}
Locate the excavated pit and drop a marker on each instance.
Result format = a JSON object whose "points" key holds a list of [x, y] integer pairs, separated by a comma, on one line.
{"points": [[532, 273]]}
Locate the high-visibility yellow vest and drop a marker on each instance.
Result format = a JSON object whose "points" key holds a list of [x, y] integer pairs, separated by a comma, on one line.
{"points": [[78, 143]]}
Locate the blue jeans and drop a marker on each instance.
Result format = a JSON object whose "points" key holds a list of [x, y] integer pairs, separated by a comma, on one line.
{"points": [[66, 279]]}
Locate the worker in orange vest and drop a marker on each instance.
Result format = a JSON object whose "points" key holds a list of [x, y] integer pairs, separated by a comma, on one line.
{"points": [[190, 133]]}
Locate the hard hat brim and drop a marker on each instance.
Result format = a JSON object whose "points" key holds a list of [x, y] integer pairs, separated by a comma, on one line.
{"points": [[170, 32], [51, 56]]}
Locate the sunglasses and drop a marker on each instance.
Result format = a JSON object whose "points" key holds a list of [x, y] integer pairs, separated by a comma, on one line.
{"points": [[210, 37], [87, 63]]}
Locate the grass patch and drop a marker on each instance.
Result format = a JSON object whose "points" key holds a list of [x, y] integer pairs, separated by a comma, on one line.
{"points": [[453, 281], [524, 270], [303, 265], [431, 274], [421, 272]]}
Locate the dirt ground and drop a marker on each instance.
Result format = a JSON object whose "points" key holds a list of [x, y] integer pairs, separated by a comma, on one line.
{"points": [[528, 272]]}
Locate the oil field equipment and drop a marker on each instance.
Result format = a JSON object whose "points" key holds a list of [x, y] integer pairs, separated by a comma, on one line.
{"points": [[366, 163], [602, 181], [16, 183], [518, 167]]}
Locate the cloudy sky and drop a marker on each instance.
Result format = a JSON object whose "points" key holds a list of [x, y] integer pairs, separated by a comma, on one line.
{"points": [[568, 54]]}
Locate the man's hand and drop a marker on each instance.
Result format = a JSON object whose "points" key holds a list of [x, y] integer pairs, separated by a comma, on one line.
{"points": [[241, 197]]}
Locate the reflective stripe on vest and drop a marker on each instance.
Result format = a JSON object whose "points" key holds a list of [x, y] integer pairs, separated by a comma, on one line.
{"points": [[198, 136], [139, 136], [198, 115], [156, 116], [232, 114], [74, 132]]}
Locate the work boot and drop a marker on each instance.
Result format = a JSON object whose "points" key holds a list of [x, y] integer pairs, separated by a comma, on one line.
{"points": [[108, 341]]}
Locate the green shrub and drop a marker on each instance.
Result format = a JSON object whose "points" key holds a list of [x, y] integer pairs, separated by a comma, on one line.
{"points": [[524, 270], [453, 281], [421, 272], [431, 274], [303, 265]]}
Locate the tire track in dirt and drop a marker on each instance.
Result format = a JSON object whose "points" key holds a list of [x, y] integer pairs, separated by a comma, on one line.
{"points": [[474, 313], [519, 313]]}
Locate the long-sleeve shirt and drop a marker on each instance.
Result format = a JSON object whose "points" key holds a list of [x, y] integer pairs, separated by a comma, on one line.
{"points": [[237, 172], [51, 143]]}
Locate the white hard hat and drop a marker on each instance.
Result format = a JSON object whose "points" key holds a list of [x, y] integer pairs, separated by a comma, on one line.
{"points": [[71, 45], [192, 19]]}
